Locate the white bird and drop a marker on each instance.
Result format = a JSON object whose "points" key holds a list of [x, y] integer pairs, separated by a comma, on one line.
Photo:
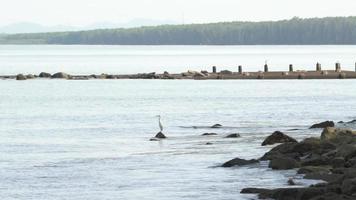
{"points": [[160, 123]]}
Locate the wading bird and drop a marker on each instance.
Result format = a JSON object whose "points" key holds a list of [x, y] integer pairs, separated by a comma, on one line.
{"points": [[160, 123]]}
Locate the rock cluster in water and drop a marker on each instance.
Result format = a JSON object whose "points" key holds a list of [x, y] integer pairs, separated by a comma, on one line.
{"points": [[331, 158]]}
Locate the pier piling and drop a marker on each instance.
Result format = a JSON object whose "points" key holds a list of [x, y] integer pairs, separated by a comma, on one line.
{"points": [[266, 68], [214, 69], [240, 69], [337, 67], [318, 67], [291, 68]]}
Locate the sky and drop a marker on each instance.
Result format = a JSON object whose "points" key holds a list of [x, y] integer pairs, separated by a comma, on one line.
{"points": [[85, 12]]}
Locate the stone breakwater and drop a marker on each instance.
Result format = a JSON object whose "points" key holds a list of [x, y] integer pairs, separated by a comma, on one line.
{"points": [[195, 75], [330, 158]]}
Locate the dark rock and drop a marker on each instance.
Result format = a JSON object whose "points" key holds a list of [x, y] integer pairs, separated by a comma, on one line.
{"points": [[323, 124], [209, 134], [20, 77], [278, 137], [154, 139], [349, 186], [314, 169], [291, 182], [286, 193], [338, 162], [208, 143], [235, 135], [217, 126], [346, 151], [160, 135], [314, 160], [324, 177], [61, 75], [283, 163], [226, 72], [239, 162], [44, 75], [30, 76], [285, 149], [110, 76]]}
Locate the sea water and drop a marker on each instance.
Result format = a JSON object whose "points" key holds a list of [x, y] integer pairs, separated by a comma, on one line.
{"points": [[89, 140]]}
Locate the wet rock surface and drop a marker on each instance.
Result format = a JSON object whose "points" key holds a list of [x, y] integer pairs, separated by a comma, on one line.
{"points": [[278, 137], [239, 162], [323, 124], [331, 158]]}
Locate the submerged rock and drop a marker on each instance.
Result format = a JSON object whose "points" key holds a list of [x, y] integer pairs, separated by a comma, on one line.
{"points": [[209, 134], [234, 135], [278, 137], [323, 125], [217, 126], [239, 162]]}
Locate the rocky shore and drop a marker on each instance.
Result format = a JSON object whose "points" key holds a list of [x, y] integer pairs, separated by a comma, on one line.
{"points": [[330, 158], [196, 75]]}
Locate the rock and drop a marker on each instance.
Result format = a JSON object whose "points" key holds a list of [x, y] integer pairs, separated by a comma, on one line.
{"points": [[291, 182], [285, 149], [226, 72], [239, 162], [44, 75], [346, 151], [160, 135], [61, 75], [283, 163], [208, 143], [30, 76], [217, 126], [286, 193], [323, 125], [110, 76], [154, 139], [324, 177], [278, 137], [151, 75], [20, 77], [314, 169], [199, 75], [235, 135], [349, 186], [331, 133], [209, 134]]}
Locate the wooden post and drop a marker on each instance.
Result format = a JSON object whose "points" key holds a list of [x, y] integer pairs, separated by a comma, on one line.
{"points": [[318, 67], [266, 68], [337, 67], [291, 68], [214, 69], [240, 69]]}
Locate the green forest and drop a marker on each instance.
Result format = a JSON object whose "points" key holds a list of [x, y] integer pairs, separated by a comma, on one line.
{"points": [[296, 31]]}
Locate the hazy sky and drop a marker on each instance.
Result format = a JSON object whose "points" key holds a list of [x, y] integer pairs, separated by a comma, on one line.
{"points": [[84, 12]]}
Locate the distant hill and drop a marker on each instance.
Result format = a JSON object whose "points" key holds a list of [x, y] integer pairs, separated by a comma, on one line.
{"points": [[297, 31]]}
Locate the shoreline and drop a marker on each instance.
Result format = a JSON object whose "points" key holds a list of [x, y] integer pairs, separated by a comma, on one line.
{"points": [[195, 75]]}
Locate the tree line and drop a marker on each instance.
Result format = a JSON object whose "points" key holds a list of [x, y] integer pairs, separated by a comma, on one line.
{"points": [[296, 31]]}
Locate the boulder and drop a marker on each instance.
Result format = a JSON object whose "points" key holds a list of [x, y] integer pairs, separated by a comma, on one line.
{"points": [[331, 133], [283, 163], [160, 135], [234, 135], [286, 193], [109, 76], [20, 77], [349, 186], [327, 177], [209, 134], [346, 151], [278, 137], [226, 72], [44, 75], [239, 162], [323, 125], [61, 75], [30, 76], [314, 169], [217, 126]]}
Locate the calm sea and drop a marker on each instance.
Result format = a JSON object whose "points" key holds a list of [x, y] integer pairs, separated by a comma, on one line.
{"points": [[138, 59], [89, 140]]}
